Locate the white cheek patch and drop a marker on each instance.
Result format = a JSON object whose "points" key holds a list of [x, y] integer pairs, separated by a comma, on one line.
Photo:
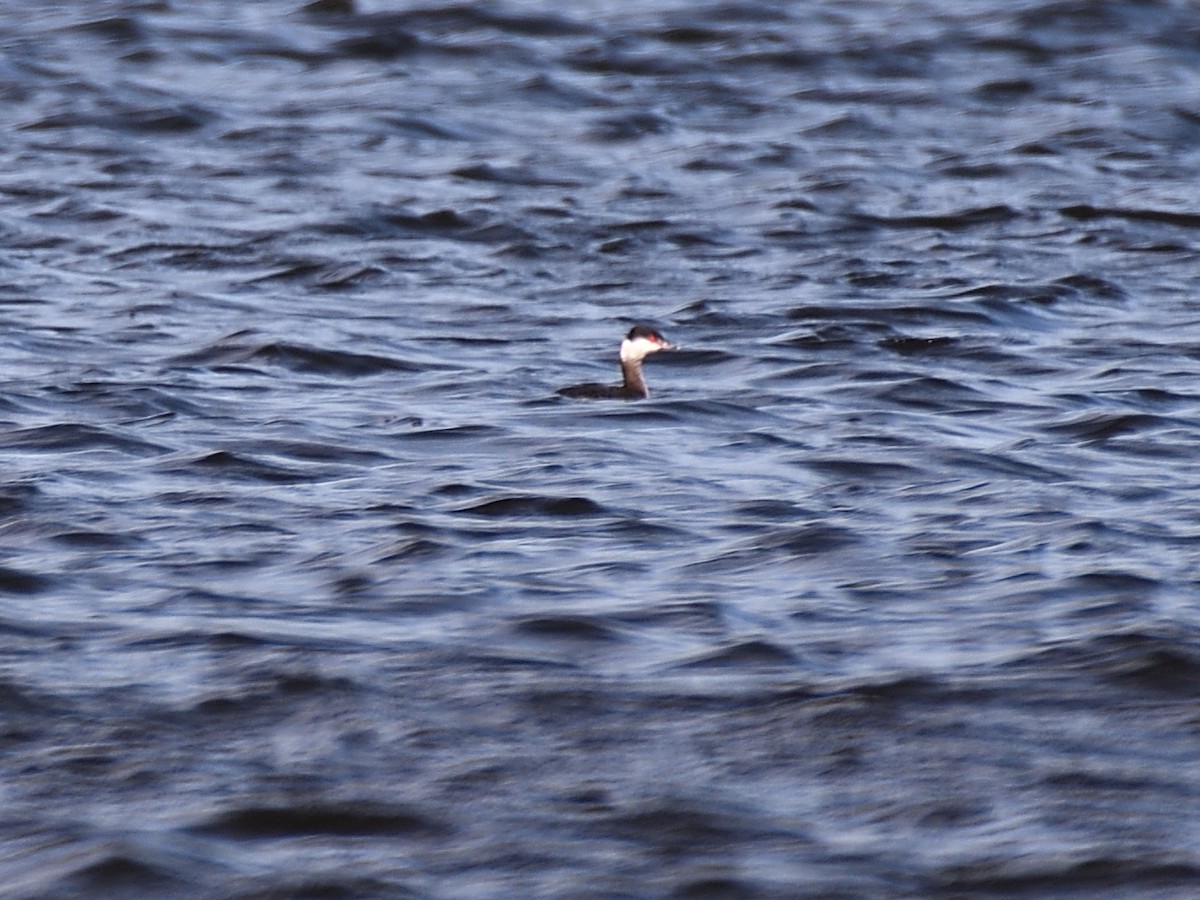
{"points": [[637, 348]]}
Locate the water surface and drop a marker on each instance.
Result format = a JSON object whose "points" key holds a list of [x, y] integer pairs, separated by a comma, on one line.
{"points": [[311, 586]]}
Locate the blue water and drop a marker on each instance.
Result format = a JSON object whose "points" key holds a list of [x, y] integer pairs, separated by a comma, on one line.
{"points": [[310, 585]]}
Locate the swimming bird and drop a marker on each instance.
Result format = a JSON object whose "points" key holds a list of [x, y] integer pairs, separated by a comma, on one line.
{"points": [[638, 344]]}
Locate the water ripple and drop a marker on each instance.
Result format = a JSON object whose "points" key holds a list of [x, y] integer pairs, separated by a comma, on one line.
{"points": [[887, 590]]}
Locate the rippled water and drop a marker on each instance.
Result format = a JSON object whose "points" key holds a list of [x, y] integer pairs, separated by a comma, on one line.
{"points": [[311, 586]]}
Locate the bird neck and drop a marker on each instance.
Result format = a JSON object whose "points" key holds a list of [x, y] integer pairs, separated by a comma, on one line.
{"points": [[635, 384]]}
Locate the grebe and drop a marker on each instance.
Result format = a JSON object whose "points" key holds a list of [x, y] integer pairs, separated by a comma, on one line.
{"points": [[638, 344]]}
